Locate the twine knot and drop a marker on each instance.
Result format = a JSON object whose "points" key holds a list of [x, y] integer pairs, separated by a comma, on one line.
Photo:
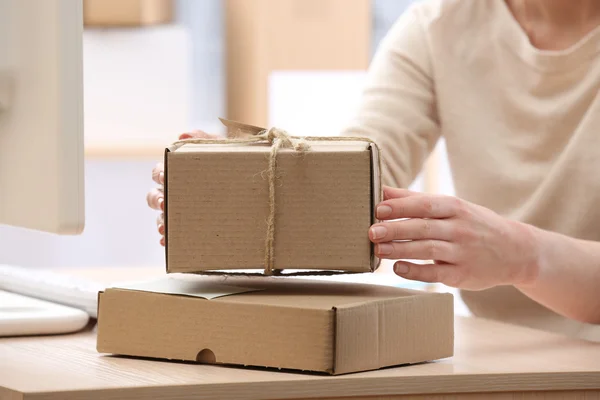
{"points": [[281, 139]]}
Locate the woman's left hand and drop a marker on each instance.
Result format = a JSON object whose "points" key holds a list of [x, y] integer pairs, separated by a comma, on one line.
{"points": [[155, 197], [472, 247]]}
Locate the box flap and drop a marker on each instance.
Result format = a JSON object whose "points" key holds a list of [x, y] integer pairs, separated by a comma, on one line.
{"points": [[185, 286], [288, 292], [237, 129]]}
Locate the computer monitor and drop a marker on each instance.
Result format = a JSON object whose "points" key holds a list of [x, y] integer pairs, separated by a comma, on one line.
{"points": [[41, 115], [41, 153]]}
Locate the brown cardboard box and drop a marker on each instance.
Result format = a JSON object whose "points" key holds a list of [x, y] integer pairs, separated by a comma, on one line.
{"points": [[265, 35], [217, 204], [286, 323], [107, 13]]}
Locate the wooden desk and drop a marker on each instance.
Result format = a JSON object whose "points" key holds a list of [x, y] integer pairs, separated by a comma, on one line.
{"points": [[492, 361]]}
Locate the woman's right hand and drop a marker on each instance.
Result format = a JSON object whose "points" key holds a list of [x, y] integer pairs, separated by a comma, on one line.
{"points": [[155, 197]]}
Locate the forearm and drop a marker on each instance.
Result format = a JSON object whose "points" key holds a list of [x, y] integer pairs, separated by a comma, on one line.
{"points": [[568, 277]]}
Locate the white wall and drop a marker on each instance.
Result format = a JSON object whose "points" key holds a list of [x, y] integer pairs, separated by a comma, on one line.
{"points": [[204, 21], [121, 229]]}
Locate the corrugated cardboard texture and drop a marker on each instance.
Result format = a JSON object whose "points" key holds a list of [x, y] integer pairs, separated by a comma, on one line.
{"points": [[265, 35], [294, 324], [367, 332], [216, 203], [107, 13]]}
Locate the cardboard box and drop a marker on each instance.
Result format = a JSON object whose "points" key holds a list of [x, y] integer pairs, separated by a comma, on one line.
{"points": [[217, 207], [287, 323], [263, 36], [111, 13]]}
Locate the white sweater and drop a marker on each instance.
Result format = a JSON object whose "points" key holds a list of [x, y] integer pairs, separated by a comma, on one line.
{"points": [[522, 125]]}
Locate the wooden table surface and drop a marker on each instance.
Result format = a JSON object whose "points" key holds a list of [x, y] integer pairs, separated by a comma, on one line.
{"points": [[492, 361]]}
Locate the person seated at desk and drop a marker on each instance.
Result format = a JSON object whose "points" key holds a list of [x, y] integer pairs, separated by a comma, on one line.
{"points": [[512, 86]]}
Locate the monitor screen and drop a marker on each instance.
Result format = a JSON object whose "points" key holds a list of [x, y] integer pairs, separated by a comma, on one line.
{"points": [[41, 115]]}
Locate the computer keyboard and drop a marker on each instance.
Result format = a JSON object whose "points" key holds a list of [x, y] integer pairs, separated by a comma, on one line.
{"points": [[25, 316], [53, 287]]}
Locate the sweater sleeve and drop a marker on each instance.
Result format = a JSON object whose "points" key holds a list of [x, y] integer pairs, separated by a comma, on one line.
{"points": [[398, 105]]}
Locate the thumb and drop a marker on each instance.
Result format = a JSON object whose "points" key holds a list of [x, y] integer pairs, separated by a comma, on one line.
{"points": [[438, 272], [396, 193]]}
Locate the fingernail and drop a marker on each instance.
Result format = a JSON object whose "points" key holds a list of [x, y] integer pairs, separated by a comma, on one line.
{"points": [[161, 203], [161, 178], [162, 241], [161, 229], [378, 232], [385, 249], [384, 211], [401, 269]]}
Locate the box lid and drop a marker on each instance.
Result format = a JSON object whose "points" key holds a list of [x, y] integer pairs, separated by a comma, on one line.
{"points": [[277, 322]]}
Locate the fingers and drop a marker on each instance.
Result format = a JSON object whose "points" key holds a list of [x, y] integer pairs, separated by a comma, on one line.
{"points": [[419, 206], [158, 175], [155, 199], [438, 250], [430, 273], [160, 224], [411, 229], [396, 193], [196, 134]]}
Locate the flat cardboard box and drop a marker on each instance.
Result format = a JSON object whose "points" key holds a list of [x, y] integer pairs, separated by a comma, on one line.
{"points": [[276, 322], [217, 203], [265, 36], [129, 13]]}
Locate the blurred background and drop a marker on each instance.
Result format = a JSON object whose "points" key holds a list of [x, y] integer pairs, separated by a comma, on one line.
{"points": [[156, 68]]}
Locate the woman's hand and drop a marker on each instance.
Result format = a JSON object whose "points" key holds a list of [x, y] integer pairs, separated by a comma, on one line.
{"points": [[471, 246], [155, 197]]}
